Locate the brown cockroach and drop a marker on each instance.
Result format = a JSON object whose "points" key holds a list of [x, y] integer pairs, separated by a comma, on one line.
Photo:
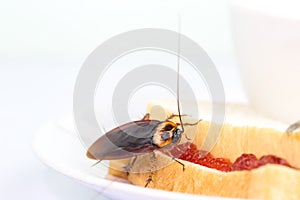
{"points": [[140, 137]]}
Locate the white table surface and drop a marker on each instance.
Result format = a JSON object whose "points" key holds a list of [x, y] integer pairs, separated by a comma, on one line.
{"points": [[32, 95]]}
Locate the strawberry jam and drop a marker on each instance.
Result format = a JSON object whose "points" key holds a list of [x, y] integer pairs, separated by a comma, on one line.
{"points": [[189, 152], [204, 158]]}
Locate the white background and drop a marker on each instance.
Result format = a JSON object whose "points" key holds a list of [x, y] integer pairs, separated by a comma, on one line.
{"points": [[42, 46], [66, 31]]}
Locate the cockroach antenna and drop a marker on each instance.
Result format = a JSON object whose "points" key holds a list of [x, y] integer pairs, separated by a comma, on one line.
{"points": [[178, 66], [121, 142]]}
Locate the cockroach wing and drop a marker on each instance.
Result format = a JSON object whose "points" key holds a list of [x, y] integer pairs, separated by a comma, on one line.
{"points": [[125, 141]]}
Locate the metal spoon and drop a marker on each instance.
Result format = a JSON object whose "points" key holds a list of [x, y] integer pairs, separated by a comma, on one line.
{"points": [[293, 128]]}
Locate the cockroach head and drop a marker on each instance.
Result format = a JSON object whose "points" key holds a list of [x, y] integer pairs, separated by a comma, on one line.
{"points": [[166, 133]]}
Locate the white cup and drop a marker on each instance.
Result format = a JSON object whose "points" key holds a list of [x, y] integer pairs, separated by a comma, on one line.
{"points": [[267, 41]]}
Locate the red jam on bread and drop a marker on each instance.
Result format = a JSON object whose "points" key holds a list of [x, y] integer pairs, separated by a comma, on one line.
{"points": [[189, 152]]}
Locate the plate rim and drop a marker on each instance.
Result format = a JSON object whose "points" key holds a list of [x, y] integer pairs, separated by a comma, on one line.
{"points": [[100, 182]]}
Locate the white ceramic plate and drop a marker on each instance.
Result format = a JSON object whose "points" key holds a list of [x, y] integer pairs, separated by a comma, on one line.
{"points": [[62, 151], [59, 147]]}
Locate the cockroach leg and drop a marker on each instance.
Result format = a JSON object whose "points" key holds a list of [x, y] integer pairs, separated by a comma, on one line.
{"points": [[175, 159], [183, 166], [146, 117], [149, 179], [190, 124], [153, 159], [128, 167], [93, 165], [293, 127], [173, 115]]}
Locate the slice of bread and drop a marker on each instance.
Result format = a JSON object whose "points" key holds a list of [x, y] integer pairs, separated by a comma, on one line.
{"points": [[266, 182]]}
